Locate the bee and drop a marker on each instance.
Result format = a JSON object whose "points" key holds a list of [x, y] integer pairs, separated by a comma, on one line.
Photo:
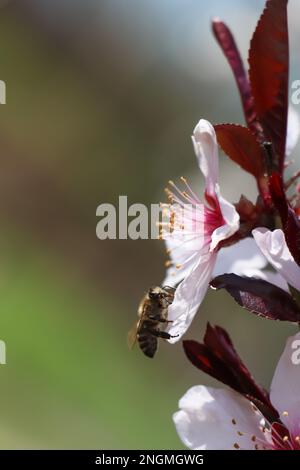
{"points": [[153, 315]]}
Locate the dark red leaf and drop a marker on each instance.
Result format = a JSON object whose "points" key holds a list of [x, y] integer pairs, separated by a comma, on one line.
{"points": [[242, 147], [289, 219], [205, 360], [259, 297], [218, 358], [228, 45], [269, 75]]}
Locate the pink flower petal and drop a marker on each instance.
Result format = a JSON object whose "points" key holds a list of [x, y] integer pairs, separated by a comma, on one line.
{"points": [[231, 219]]}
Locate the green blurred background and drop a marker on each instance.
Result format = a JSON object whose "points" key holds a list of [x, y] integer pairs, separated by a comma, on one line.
{"points": [[102, 97]]}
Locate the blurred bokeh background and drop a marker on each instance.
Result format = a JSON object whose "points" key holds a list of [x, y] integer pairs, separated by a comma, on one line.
{"points": [[102, 97]]}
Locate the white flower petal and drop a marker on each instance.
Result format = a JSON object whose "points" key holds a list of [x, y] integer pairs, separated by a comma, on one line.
{"points": [[176, 274], [206, 149], [285, 388], [231, 217], [275, 249], [189, 295], [293, 130], [240, 258], [210, 419]]}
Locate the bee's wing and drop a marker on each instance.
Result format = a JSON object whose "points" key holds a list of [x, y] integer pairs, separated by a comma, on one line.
{"points": [[132, 335]]}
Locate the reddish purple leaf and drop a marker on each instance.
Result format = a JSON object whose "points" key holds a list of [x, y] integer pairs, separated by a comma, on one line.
{"points": [[259, 297], [218, 358], [242, 147], [228, 45], [207, 361], [290, 221], [269, 75]]}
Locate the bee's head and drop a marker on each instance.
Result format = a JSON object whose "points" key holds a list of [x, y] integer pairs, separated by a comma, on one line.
{"points": [[154, 293]]}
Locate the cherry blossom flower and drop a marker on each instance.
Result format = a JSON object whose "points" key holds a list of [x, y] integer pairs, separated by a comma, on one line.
{"points": [[223, 419], [197, 228]]}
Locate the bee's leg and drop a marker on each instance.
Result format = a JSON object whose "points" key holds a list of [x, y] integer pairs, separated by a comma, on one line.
{"points": [[163, 320], [161, 334]]}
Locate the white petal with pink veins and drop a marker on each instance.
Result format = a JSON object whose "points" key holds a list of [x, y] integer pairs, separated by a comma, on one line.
{"points": [[275, 249], [206, 149], [231, 219], [293, 130], [212, 419], [189, 295], [285, 388]]}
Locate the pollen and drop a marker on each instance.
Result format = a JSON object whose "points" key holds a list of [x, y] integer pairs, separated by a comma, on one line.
{"points": [[169, 195], [285, 439], [236, 446], [285, 414], [233, 422], [178, 266]]}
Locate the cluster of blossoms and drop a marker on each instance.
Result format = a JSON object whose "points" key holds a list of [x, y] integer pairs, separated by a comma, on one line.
{"points": [[250, 250]]}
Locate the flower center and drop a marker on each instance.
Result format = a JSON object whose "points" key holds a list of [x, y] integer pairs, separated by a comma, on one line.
{"points": [[187, 221], [283, 439], [275, 436]]}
